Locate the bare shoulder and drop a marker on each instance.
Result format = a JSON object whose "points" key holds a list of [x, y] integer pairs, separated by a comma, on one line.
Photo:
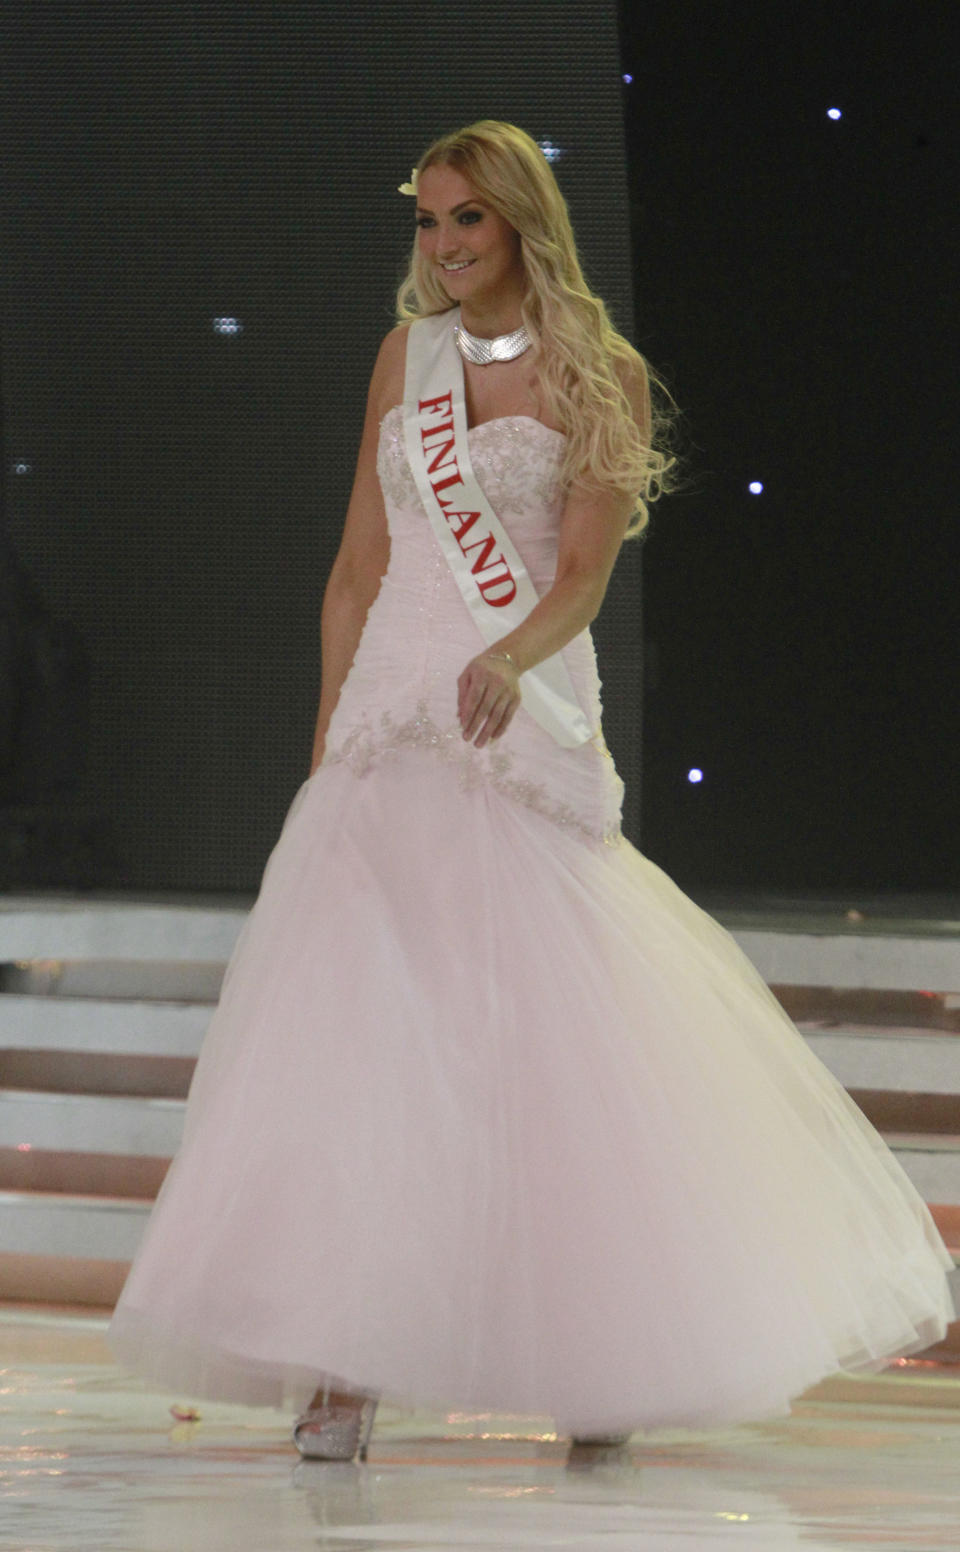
{"points": [[393, 346], [386, 386]]}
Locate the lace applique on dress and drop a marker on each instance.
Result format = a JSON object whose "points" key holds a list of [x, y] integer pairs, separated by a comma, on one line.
{"points": [[516, 457], [367, 743]]}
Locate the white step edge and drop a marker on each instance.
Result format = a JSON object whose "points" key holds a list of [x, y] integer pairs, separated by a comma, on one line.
{"points": [[886, 961], [102, 1025], [90, 1227], [889, 1061], [90, 1123], [931, 1163], [122, 930], [929, 1142]]}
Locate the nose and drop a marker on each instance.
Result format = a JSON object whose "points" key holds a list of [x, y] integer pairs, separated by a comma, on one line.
{"points": [[448, 242]]}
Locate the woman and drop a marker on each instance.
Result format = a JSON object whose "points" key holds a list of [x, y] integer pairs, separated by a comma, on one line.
{"points": [[490, 1114]]}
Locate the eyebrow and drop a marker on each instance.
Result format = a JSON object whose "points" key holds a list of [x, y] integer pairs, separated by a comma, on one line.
{"points": [[425, 212]]}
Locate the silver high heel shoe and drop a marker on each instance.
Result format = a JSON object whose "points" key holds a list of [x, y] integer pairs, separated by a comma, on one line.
{"points": [[335, 1432]]}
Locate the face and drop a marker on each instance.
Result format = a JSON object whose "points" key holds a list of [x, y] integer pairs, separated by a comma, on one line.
{"points": [[473, 251]]}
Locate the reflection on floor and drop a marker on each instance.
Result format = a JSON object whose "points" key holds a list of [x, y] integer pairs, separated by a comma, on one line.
{"points": [[94, 1462]]}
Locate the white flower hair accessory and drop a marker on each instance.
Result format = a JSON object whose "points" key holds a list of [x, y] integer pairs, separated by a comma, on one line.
{"points": [[411, 187]]}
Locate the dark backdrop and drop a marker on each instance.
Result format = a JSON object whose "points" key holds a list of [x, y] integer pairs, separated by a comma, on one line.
{"points": [[174, 494], [797, 275]]}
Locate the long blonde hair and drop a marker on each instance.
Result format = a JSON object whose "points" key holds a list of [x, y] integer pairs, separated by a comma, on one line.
{"points": [[575, 345]]}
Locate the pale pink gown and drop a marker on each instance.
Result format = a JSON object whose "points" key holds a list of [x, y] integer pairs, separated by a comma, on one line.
{"points": [[491, 1114]]}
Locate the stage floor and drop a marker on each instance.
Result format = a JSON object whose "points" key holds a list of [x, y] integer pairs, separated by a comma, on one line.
{"points": [[92, 1461]]}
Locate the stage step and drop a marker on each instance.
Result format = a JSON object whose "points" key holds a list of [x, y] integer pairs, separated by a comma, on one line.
{"points": [[116, 930], [122, 1026], [89, 1123], [904, 1061], [931, 1162], [59, 1248], [42, 1223], [892, 956]]}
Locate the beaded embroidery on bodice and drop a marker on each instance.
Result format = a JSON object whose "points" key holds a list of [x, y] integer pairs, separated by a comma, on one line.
{"points": [[401, 689], [517, 460]]}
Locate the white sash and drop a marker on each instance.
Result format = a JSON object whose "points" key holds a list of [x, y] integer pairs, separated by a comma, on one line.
{"points": [[490, 574]]}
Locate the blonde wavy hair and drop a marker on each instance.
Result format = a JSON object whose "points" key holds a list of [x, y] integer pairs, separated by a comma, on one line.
{"points": [[576, 348]]}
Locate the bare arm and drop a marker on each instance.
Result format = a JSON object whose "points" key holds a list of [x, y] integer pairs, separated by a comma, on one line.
{"points": [[591, 533], [361, 561]]}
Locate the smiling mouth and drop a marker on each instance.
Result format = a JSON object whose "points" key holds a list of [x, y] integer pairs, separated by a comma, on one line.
{"points": [[454, 269]]}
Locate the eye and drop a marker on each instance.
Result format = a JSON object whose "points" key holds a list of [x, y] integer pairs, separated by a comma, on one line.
{"points": [[465, 218]]}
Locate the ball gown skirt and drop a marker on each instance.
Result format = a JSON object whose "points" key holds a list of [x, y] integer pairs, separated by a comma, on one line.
{"points": [[490, 1114]]}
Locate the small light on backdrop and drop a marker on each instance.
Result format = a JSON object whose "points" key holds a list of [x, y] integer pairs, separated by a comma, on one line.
{"points": [[755, 487], [227, 326], [834, 113], [552, 152], [22, 467], [628, 80], [694, 775]]}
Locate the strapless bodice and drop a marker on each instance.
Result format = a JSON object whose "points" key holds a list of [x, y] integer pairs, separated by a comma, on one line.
{"points": [[517, 463], [419, 635]]}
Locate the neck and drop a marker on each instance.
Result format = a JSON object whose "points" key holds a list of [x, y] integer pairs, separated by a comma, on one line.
{"points": [[501, 315]]}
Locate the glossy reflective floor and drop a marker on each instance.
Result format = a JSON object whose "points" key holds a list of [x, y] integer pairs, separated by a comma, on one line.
{"points": [[94, 1462]]}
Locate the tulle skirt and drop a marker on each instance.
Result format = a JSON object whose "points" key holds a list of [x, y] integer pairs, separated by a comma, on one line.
{"points": [[492, 1117]]}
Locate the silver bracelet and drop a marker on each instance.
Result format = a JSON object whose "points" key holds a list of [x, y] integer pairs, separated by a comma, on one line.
{"points": [[506, 657]]}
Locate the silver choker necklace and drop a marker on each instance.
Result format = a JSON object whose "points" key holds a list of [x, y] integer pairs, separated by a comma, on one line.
{"points": [[506, 347]]}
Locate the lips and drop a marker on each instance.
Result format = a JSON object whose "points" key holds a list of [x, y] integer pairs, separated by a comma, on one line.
{"points": [[454, 269]]}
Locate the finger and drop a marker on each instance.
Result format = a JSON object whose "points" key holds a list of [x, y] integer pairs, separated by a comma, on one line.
{"points": [[472, 688], [466, 707], [505, 721], [497, 718], [465, 687], [487, 714], [476, 714]]}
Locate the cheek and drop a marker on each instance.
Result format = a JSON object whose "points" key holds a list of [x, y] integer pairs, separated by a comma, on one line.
{"points": [[425, 248], [506, 248]]}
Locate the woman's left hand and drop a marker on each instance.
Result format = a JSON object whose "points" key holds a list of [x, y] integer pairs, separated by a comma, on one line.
{"points": [[488, 694]]}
